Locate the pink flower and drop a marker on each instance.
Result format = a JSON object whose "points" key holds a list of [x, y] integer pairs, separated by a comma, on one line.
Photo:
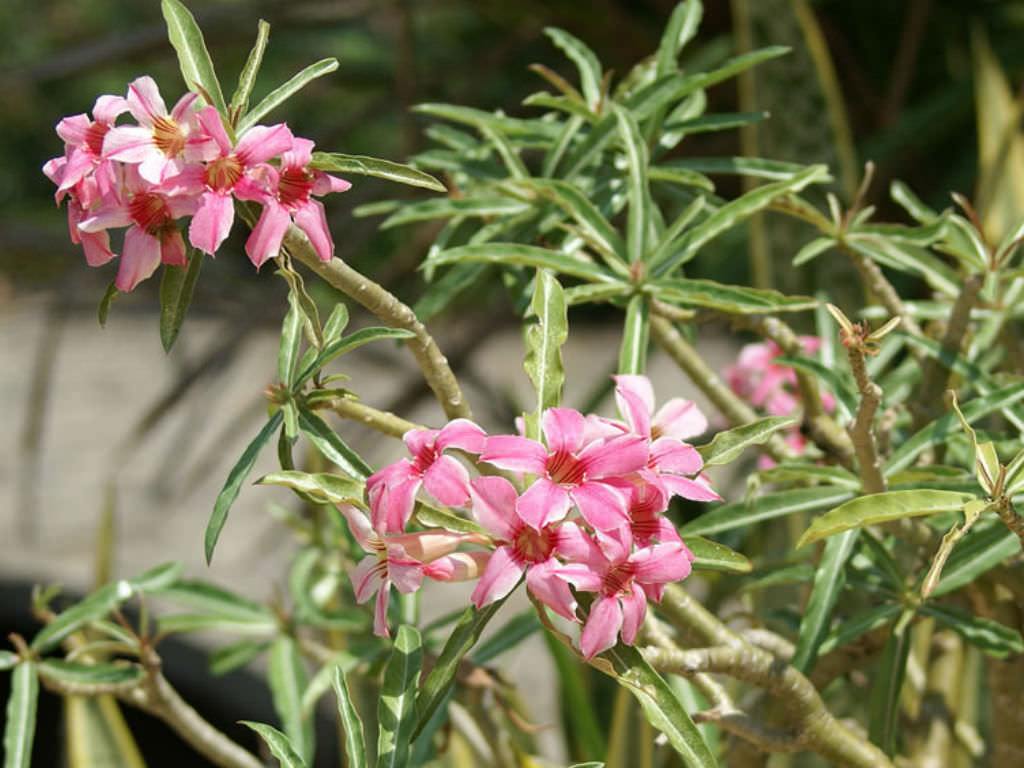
{"points": [[570, 470], [392, 490], [288, 199], [523, 548], [623, 581], [163, 140], [153, 235], [227, 175], [83, 153], [393, 560]]}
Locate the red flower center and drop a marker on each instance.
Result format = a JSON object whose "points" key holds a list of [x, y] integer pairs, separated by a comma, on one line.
{"points": [[294, 185], [564, 468], [533, 546], [223, 173], [618, 580], [94, 137], [168, 136], [150, 213]]}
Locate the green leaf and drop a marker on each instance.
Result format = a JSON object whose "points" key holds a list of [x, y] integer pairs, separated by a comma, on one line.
{"points": [[884, 707], [994, 639], [681, 28], [586, 62], [902, 194], [347, 344], [280, 746], [509, 156], [70, 620], [882, 508], [445, 207], [233, 484], [577, 702], [908, 258], [20, 728], [8, 660], [544, 339], [852, 627], [981, 551], [972, 513], [396, 709], [287, 679], [526, 255], [746, 513], [440, 679], [712, 556], [158, 577], [432, 517], [291, 337], [728, 215], [284, 92], [247, 77], [322, 487], [829, 580], [193, 57], [218, 602], [373, 166], [661, 706], [733, 299], [355, 742], [755, 167], [718, 122], [801, 472], [636, 334], [74, 673], [510, 126], [817, 246], [228, 658], [639, 195], [680, 176], [441, 292], [728, 445], [596, 292], [343, 662], [108, 299], [593, 225], [176, 288], [940, 430], [331, 446], [508, 635]]}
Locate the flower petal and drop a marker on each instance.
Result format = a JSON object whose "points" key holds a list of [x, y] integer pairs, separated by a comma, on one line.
{"points": [[447, 481], [311, 218], [500, 577], [563, 429], [602, 627], [680, 418], [494, 505], [139, 260], [543, 503], [265, 240], [212, 222], [544, 583], [601, 505], [519, 454]]}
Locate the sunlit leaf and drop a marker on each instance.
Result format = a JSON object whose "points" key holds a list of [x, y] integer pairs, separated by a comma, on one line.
{"points": [[355, 744], [586, 62], [526, 255], [373, 166], [396, 708], [712, 556], [193, 57], [280, 746], [287, 679], [881, 508], [74, 673], [446, 207], [544, 339], [284, 92], [747, 513], [247, 77], [727, 445], [320, 486], [20, 727]]}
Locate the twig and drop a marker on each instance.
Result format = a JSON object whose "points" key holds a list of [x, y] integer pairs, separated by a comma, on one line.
{"points": [[383, 422], [388, 308], [814, 726]]}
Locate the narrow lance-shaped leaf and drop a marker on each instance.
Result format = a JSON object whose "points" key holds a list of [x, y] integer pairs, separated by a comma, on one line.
{"points": [[731, 299], [234, 482], [176, 287], [323, 487], [396, 709], [527, 255], [585, 60], [247, 77], [284, 92], [978, 553], [681, 28], [193, 57], [888, 682], [728, 445], [639, 196], [881, 508], [994, 639], [21, 716], [331, 445], [347, 344], [373, 166], [829, 580], [972, 513], [355, 743], [712, 556], [74, 673], [661, 706], [287, 679], [728, 215], [291, 337], [8, 659], [746, 513], [544, 339], [462, 639], [636, 334], [279, 744]]}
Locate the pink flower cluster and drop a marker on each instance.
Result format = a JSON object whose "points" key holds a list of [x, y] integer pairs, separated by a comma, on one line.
{"points": [[181, 163], [771, 386], [591, 517]]}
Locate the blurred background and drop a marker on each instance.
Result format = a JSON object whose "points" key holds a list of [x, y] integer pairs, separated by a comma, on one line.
{"points": [[113, 452]]}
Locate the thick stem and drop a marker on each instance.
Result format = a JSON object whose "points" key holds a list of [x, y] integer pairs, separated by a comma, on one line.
{"points": [[381, 421], [157, 697], [716, 390], [389, 309], [814, 727]]}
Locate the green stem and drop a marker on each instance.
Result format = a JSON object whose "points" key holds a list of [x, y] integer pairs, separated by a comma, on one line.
{"points": [[389, 309]]}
